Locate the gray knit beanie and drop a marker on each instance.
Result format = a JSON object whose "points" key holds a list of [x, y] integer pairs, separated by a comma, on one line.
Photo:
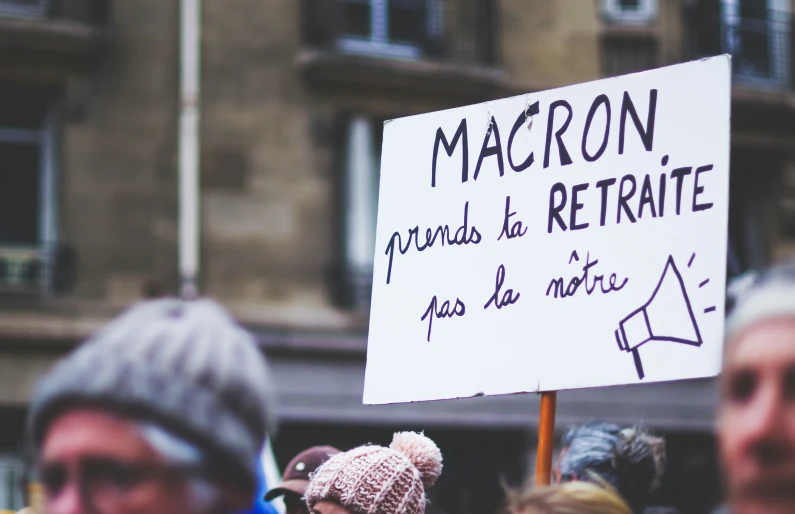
{"points": [[185, 365], [760, 296], [630, 459]]}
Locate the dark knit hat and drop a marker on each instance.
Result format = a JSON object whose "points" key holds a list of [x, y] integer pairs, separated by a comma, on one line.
{"points": [[629, 459], [185, 365]]}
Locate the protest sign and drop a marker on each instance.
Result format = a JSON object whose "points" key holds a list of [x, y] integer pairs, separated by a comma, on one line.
{"points": [[562, 239]]}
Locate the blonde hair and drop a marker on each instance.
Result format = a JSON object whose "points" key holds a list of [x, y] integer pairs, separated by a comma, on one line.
{"points": [[569, 498]]}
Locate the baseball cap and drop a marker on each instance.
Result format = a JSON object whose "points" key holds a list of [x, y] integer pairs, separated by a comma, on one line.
{"points": [[296, 475]]}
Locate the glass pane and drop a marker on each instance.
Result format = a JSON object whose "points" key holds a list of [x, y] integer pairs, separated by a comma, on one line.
{"points": [[19, 193], [355, 18], [407, 21], [24, 107], [630, 4]]}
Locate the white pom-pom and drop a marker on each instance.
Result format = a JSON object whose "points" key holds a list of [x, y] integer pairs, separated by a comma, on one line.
{"points": [[422, 452]]}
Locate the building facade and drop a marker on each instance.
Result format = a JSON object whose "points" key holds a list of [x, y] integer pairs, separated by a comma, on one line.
{"points": [[293, 96]]}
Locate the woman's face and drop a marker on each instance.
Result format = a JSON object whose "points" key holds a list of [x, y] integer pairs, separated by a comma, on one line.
{"points": [[326, 507]]}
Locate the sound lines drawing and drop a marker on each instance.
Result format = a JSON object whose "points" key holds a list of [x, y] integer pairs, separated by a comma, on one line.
{"points": [[667, 316]]}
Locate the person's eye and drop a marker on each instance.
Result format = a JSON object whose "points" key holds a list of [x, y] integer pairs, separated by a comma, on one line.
{"points": [[116, 474], [53, 478], [741, 386]]}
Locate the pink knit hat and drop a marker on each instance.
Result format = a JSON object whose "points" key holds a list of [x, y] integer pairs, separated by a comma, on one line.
{"points": [[377, 480]]}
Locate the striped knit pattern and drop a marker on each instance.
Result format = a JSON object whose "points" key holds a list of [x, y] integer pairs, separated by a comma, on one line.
{"points": [[377, 480], [184, 364]]}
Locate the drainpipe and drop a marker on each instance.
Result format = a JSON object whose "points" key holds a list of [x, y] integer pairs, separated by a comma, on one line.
{"points": [[360, 182], [189, 228]]}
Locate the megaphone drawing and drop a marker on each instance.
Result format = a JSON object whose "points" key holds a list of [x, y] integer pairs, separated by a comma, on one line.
{"points": [[666, 316]]}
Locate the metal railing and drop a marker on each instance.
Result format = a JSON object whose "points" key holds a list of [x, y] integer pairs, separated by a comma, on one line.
{"points": [[458, 31], [761, 48], [43, 269], [22, 268]]}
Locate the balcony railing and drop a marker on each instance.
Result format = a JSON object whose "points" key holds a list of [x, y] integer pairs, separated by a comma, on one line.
{"points": [[761, 48], [456, 31], [36, 270]]}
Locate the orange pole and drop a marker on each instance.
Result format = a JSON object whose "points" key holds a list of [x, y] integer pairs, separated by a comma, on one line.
{"points": [[546, 438]]}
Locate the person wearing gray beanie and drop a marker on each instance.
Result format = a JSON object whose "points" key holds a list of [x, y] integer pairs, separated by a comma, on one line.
{"points": [[756, 411], [164, 410], [628, 459]]}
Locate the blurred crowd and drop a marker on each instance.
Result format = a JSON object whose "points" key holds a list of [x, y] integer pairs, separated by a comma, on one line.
{"points": [[165, 410]]}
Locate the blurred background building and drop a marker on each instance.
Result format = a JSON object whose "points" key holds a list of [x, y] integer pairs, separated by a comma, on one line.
{"points": [[292, 99]]}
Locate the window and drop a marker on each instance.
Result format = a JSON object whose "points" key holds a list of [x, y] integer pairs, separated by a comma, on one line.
{"points": [[30, 8], [27, 193], [760, 181], [360, 164], [756, 33], [632, 12], [456, 31], [389, 28], [628, 54]]}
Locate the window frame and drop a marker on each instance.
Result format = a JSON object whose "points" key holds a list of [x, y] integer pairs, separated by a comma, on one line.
{"points": [[44, 251], [379, 43], [645, 14]]}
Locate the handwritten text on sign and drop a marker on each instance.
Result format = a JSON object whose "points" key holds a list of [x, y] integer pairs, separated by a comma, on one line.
{"points": [[586, 248]]}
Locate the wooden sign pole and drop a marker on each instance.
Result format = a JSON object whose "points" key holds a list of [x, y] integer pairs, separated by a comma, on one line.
{"points": [[546, 438]]}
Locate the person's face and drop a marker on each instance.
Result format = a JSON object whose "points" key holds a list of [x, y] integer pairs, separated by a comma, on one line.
{"points": [[94, 462], [756, 418], [293, 504], [325, 507]]}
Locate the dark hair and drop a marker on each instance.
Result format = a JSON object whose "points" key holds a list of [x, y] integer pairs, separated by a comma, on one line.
{"points": [[630, 459]]}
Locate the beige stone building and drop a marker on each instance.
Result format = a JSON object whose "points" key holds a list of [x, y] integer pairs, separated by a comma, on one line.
{"points": [[293, 94]]}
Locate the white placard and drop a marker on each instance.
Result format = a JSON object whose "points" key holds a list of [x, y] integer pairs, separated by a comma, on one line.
{"points": [[569, 238]]}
